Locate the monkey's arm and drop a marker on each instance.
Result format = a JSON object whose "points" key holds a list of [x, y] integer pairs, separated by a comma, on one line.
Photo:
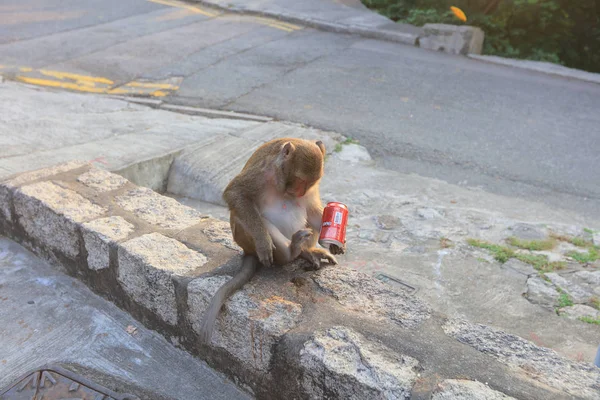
{"points": [[247, 214]]}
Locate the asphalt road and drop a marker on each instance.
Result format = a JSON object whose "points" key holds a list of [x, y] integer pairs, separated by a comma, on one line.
{"points": [[506, 130]]}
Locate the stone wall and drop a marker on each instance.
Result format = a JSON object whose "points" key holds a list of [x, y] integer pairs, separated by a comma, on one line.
{"points": [[289, 333]]}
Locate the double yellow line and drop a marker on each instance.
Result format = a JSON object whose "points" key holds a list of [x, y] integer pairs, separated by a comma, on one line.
{"points": [[273, 23]]}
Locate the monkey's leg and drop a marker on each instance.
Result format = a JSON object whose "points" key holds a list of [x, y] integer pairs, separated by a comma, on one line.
{"points": [[287, 250]]}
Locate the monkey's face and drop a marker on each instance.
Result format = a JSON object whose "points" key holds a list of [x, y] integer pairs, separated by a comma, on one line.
{"points": [[303, 168]]}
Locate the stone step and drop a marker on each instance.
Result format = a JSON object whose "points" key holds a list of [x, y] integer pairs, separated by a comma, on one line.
{"points": [[202, 171]]}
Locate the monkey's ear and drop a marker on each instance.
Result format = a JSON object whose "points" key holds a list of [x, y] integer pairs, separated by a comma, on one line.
{"points": [[321, 146], [287, 150]]}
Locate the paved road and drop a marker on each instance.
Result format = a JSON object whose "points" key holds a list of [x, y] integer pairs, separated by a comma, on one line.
{"points": [[506, 130]]}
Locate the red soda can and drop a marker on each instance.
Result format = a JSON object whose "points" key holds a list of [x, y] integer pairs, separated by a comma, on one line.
{"points": [[333, 225]]}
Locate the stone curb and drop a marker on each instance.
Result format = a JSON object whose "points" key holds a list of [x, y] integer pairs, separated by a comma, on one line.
{"points": [[543, 67], [399, 37], [335, 333], [198, 111]]}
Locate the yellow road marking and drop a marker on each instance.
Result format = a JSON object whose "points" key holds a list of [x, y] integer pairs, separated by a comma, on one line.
{"points": [[178, 4], [77, 77], [92, 84], [62, 85], [152, 85], [284, 26]]}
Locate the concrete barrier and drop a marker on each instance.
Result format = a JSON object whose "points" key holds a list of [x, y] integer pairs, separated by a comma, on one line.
{"points": [[289, 333], [452, 39]]}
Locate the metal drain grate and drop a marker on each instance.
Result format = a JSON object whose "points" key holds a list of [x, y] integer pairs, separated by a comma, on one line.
{"points": [[390, 279], [56, 383]]}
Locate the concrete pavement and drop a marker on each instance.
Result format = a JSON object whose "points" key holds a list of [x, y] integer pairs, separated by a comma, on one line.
{"points": [[48, 317], [505, 130]]}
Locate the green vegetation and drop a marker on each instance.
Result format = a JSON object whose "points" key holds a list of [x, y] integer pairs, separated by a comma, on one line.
{"points": [[540, 262], [533, 245], [584, 258], [559, 31], [595, 302], [338, 146], [564, 300], [590, 320], [580, 242], [502, 254], [588, 230]]}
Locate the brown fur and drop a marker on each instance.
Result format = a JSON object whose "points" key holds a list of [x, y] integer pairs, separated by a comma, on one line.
{"points": [[275, 212]]}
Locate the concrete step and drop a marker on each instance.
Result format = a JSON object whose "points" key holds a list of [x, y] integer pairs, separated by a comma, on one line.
{"points": [[202, 171]]}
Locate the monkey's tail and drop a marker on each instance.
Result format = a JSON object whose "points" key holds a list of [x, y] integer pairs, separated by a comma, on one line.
{"points": [[249, 264]]}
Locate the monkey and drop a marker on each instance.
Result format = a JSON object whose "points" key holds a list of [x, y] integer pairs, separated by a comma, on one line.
{"points": [[275, 214]]}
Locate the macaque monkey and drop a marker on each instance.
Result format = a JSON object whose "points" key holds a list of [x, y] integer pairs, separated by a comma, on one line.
{"points": [[275, 213]]}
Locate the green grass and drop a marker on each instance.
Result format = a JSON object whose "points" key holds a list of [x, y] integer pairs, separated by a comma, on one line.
{"points": [[350, 141], [577, 241], [588, 230], [564, 300], [590, 320], [338, 146], [580, 242], [584, 258], [533, 245], [540, 262], [595, 302], [502, 254]]}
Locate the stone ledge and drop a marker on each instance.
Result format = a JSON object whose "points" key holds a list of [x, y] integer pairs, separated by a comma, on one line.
{"points": [[335, 333]]}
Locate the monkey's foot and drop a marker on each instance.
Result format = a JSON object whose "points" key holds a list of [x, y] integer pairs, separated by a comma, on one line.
{"points": [[335, 249], [300, 240], [315, 257]]}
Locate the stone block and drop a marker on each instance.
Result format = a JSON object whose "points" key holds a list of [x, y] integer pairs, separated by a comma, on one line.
{"points": [[147, 266], [578, 311], [5, 202], [220, 232], [361, 293], [462, 389], [9, 185], [158, 210], [339, 363], [452, 39], [51, 214], [578, 293], [527, 232], [99, 234], [101, 180], [353, 153], [578, 379], [247, 328], [542, 293]]}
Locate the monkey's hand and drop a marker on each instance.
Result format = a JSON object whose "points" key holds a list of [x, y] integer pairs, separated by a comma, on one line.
{"points": [[315, 255], [264, 251], [335, 249]]}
